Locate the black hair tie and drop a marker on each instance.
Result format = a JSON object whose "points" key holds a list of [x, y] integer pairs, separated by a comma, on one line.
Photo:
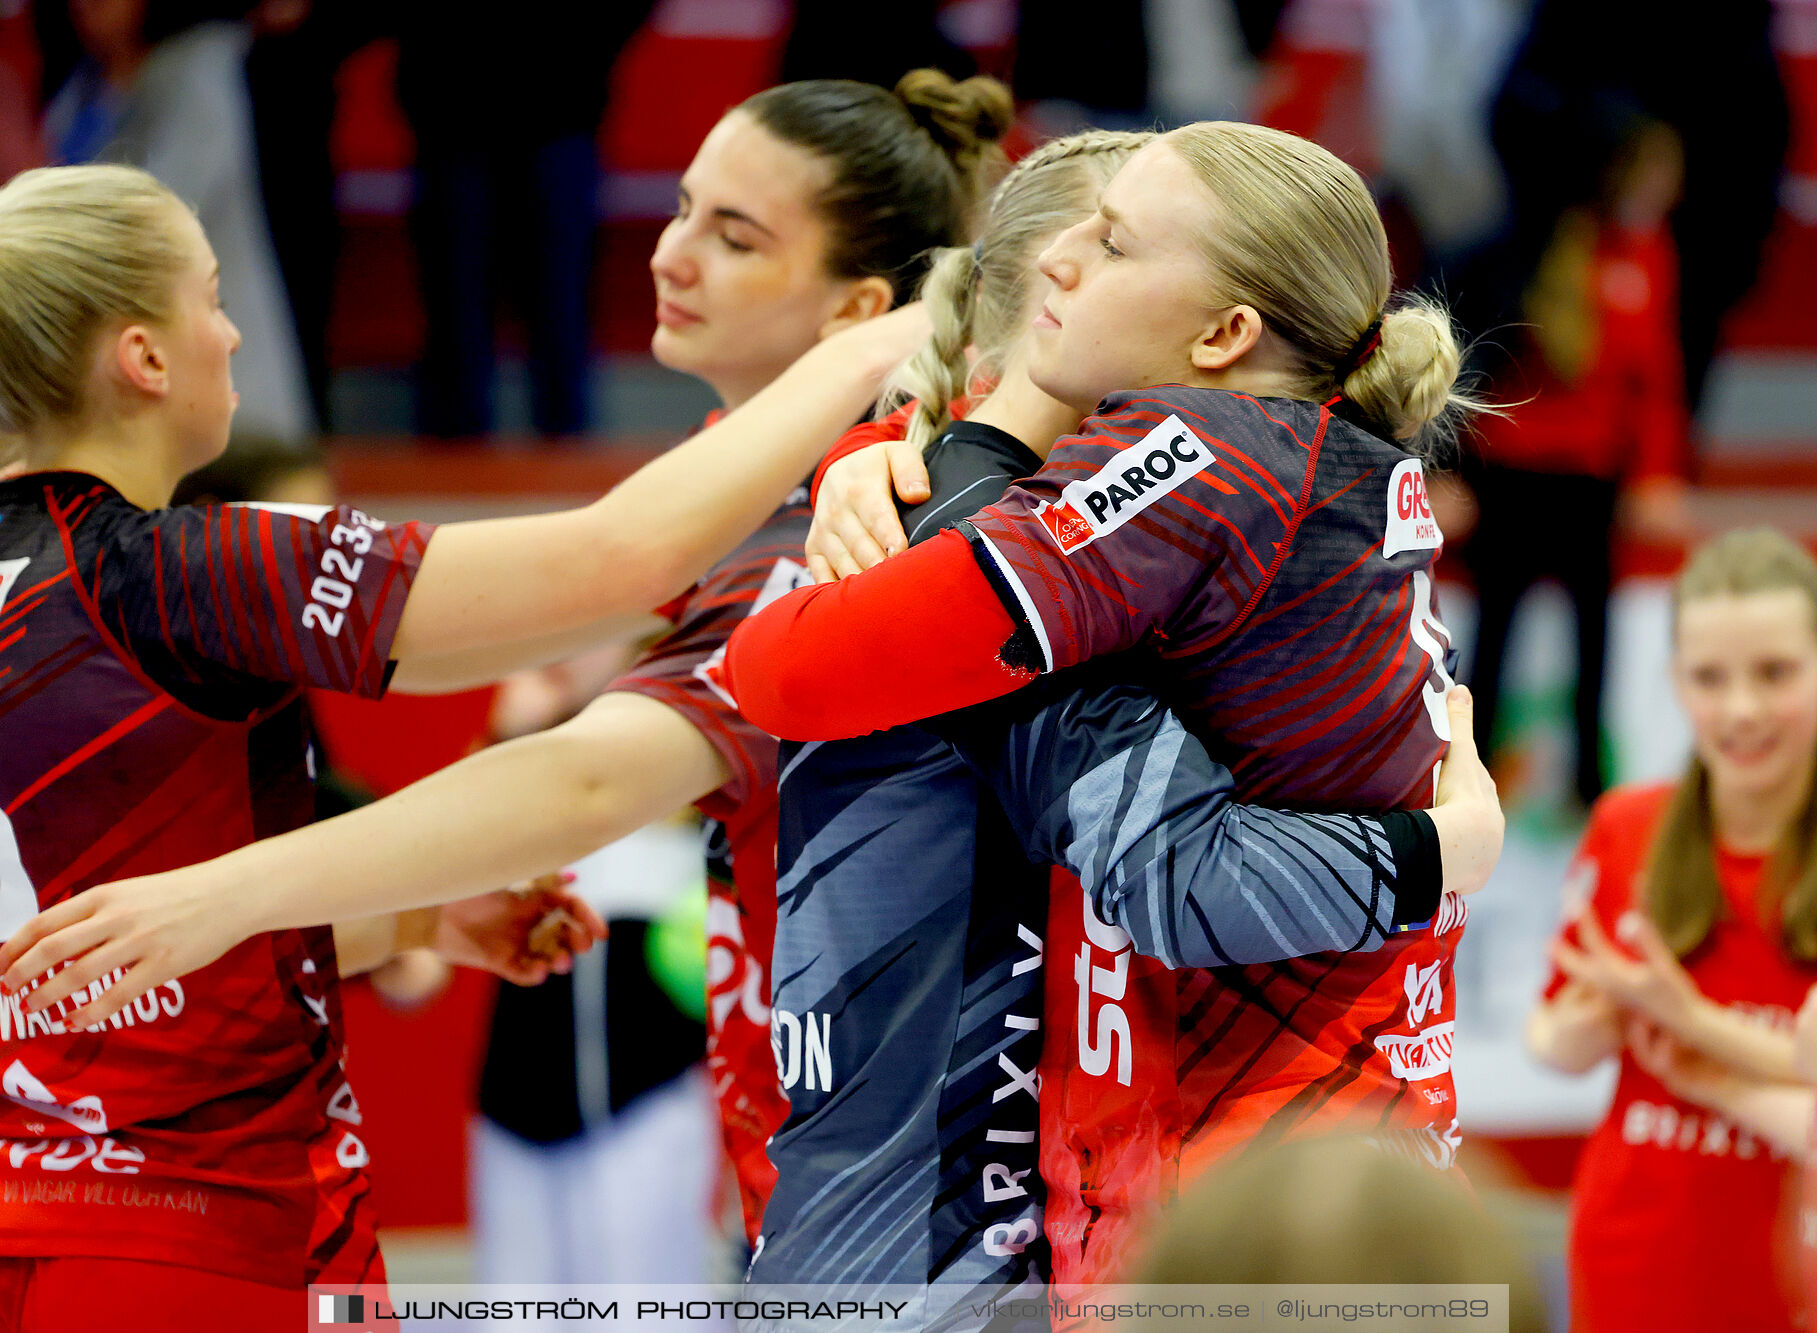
{"points": [[1360, 351]]}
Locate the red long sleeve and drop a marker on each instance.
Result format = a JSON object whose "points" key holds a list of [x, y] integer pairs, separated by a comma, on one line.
{"points": [[918, 635]]}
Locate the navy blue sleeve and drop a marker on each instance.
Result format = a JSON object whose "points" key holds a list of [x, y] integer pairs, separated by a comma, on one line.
{"points": [[1098, 776]]}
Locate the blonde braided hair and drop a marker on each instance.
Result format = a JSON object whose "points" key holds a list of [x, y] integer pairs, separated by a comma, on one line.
{"points": [[977, 296]]}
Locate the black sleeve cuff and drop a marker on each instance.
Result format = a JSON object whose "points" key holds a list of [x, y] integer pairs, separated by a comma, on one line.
{"points": [[1419, 869], [1022, 651]]}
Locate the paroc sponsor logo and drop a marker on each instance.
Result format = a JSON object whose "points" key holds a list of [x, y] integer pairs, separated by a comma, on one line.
{"points": [[1160, 462]]}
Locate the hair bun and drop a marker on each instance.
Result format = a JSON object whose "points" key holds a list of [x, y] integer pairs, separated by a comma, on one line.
{"points": [[1409, 380], [965, 116]]}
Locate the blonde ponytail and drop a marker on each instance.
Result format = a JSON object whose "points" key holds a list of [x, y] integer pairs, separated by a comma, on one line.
{"points": [[1297, 236], [941, 370], [1410, 379]]}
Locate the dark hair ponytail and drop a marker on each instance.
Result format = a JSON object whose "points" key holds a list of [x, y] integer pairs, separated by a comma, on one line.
{"points": [[908, 168]]}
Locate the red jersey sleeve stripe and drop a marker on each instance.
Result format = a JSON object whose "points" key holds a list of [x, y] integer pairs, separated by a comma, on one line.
{"points": [[40, 586], [369, 643], [267, 615], [280, 611], [233, 571], [245, 635], [157, 584], [121, 728], [210, 572], [23, 608], [1222, 522]]}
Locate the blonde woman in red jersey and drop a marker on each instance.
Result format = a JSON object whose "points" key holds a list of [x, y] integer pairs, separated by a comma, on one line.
{"points": [[1249, 518], [1695, 949], [201, 1150]]}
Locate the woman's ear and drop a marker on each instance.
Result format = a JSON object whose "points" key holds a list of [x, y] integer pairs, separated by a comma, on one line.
{"points": [[1232, 332], [865, 299], [139, 361]]}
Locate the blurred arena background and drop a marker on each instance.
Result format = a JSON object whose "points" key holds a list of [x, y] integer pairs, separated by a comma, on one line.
{"points": [[350, 114]]}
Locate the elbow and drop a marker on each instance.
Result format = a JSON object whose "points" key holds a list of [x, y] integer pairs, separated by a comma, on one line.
{"points": [[601, 812], [629, 580], [665, 580], [583, 790]]}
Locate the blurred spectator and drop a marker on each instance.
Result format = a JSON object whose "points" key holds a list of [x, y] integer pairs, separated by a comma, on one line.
{"points": [[160, 90], [1434, 69], [262, 471], [1597, 405], [21, 69], [506, 104], [595, 1158], [1048, 64], [1710, 887], [835, 39], [1585, 74], [297, 48], [1204, 56], [1338, 1210]]}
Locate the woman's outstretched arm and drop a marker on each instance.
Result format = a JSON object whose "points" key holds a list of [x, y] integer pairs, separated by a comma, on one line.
{"points": [[505, 814], [524, 579]]}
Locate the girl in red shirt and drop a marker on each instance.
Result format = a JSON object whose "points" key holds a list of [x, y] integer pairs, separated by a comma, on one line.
{"points": [[1679, 1211]]}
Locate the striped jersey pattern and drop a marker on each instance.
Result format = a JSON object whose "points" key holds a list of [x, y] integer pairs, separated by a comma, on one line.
{"points": [[1277, 560], [150, 718]]}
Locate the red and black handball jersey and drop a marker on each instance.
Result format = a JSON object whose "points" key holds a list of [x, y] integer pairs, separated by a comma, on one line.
{"points": [[1277, 559], [149, 719], [684, 671]]}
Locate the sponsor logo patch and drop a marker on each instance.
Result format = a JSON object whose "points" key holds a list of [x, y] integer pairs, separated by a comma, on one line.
{"points": [[1423, 1055], [1411, 526], [1160, 462]]}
